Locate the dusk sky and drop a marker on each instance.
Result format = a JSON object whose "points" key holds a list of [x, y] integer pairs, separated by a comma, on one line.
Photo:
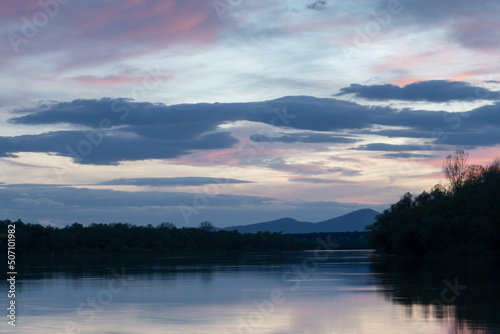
{"points": [[238, 111]]}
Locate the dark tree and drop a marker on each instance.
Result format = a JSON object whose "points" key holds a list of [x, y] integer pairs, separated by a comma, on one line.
{"points": [[127, 238], [463, 220], [455, 168], [167, 225], [206, 226]]}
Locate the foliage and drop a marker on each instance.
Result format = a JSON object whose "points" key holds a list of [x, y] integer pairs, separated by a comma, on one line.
{"points": [[462, 220], [206, 226], [127, 238]]}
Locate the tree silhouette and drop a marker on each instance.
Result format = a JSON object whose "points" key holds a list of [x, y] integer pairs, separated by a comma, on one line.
{"points": [[206, 226], [455, 168], [462, 220], [128, 238], [167, 225]]}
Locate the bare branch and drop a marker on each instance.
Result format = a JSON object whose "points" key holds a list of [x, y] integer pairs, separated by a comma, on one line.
{"points": [[455, 168]]}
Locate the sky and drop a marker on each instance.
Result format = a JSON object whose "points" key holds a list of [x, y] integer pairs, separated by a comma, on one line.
{"points": [[238, 111]]}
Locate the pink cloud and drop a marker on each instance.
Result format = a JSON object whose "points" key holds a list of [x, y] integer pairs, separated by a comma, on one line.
{"points": [[400, 62], [470, 75], [407, 81], [227, 157], [84, 34], [158, 23]]}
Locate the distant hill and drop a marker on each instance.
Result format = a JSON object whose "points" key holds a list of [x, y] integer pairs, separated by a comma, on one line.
{"points": [[354, 221]]}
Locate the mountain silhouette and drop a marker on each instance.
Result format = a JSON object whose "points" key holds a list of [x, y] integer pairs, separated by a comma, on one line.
{"points": [[354, 221]]}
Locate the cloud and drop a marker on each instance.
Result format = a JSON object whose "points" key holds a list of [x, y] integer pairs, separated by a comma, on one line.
{"points": [[299, 112], [400, 148], [284, 166], [129, 28], [87, 198], [29, 185], [471, 24], [303, 138], [108, 147], [123, 130], [318, 180], [30, 202], [345, 172], [114, 80], [318, 5], [406, 156], [430, 91], [172, 181]]}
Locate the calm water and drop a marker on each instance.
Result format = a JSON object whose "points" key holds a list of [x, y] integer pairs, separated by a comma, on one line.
{"points": [[328, 292]]}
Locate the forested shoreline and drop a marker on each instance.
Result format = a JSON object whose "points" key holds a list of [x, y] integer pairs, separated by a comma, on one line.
{"points": [[460, 220], [164, 238], [128, 238]]}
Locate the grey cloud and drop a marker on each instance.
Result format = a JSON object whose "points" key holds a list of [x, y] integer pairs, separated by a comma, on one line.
{"points": [[487, 137], [401, 148], [110, 147], [35, 202], [430, 91], [318, 5], [153, 120], [29, 185], [303, 138], [282, 165], [406, 156], [318, 180], [122, 130], [400, 133], [85, 198], [172, 181], [345, 172]]}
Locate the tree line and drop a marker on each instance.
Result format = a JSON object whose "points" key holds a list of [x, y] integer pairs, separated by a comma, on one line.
{"points": [[462, 219], [128, 238]]}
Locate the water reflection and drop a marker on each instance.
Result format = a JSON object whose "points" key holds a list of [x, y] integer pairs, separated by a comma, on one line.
{"points": [[340, 292], [463, 293]]}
